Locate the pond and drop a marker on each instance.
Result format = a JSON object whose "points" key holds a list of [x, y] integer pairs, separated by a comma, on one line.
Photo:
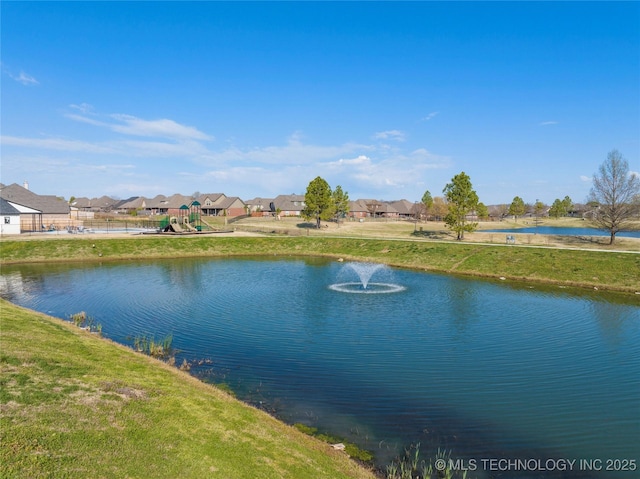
{"points": [[484, 369], [564, 231]]}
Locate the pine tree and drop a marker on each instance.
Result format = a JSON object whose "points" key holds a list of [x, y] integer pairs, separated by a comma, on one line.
{"points": [[462, 200]]}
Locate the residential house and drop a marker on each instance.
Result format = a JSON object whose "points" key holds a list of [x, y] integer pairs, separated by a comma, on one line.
{"points": [[404, 208], [10, 224], [128, 206], [232, 206], [210, 204], [260, 206], [358, 209], [375, 208], [103, 204], [289, 205], [154, 205], [37, 212], [171, 205]]}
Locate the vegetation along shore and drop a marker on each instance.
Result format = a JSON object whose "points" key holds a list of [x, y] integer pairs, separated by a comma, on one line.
{"points": [[77, 405], [604, 270]]}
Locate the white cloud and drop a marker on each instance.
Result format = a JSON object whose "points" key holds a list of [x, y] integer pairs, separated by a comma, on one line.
{"points": [[430, 116], [396, 135], [84, 108], [56, 144], [547, 123], [162, 149], [585, 178], [24, 78], [294, 152], [134, 126], [163, 128]]}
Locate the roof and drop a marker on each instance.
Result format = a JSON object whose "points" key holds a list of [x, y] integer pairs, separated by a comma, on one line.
{"points": [[214, 198], [131, 203], [7, 208], [46, 204], [95, 203], [173, 202], [404, 207], [259, 202], [229, 201], [289, 202]]}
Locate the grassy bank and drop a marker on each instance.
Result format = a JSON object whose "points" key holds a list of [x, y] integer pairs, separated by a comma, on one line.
{"points": [[606, 270], [75, 405]]}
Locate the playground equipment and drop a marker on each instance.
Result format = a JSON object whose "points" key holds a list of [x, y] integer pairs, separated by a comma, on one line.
{"points": [[187, 221]]}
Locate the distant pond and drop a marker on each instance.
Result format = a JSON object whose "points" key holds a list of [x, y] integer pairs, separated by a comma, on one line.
{"points": [[483, 369], [558, 230]]}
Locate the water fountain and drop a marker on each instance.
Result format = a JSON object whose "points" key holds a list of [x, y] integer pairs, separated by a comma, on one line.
{"points": [[364, 285]]}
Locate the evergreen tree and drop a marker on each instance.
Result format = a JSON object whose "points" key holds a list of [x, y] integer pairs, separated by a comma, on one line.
{"points": [[517, 207], [318, 201], [462, 200], [558, 209], [427, 201], [340, 202], [482, 211]]}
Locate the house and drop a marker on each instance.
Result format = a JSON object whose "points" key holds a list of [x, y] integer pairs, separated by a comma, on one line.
{"points": [[260, 206], [171, 205], [130, 205], [358, 209], [218, 204], [210, 203], [37, 212], [154, 205], [404, 209], [10, 219], [232, 206], [374, 208], [97, 205], [289, 205]]}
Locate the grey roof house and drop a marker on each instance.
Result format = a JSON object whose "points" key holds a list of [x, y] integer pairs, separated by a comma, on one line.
{"points": [[37, 212]]}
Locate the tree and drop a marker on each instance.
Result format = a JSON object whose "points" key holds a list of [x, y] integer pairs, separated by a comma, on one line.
{"points": [[340, 202], [502, 210], [427, 201], [318, 201], [558, 209], [538, 208], [462, 200], [568, 205], [615, 190], [517, 207], [482, 211], [440, 208], [418, 211]]}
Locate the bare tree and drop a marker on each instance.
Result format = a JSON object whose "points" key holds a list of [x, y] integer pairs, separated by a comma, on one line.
{"points": [[616, 192]]}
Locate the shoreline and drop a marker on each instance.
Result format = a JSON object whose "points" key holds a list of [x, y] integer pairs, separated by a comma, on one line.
{"points": [[606, 270]]}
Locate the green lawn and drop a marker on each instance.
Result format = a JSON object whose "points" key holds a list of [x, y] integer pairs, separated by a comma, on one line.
{"points": [[606, 270], [76, 405]]}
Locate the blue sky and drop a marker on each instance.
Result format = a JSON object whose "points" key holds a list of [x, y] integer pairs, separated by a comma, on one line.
{"points": [[386, 99]]}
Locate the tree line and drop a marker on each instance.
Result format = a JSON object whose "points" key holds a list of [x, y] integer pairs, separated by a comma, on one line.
{"points": [[614, 197]]}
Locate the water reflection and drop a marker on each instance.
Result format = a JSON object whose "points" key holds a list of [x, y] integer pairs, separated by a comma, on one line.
{"points": [[481, 367]]}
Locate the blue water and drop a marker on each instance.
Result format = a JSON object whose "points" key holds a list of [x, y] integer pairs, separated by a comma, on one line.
{"points": [[482, 369], [557, 230]]}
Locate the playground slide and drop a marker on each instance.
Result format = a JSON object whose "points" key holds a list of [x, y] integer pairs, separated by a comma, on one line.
{"points": [[176, 228]]}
